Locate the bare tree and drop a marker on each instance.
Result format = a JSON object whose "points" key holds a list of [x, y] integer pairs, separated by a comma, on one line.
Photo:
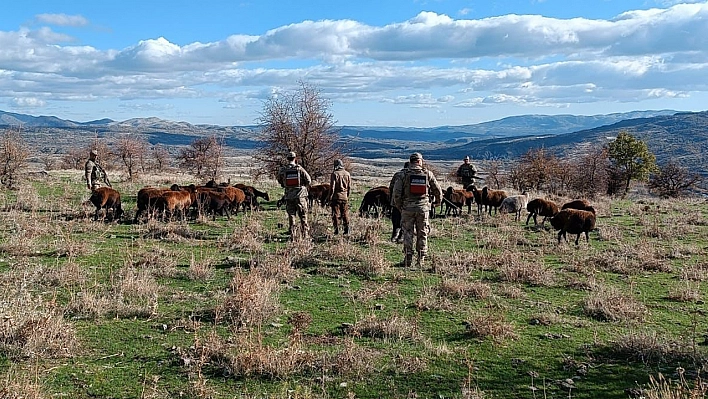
{"points": [[538, 170], [204, 157], [131, 151], [74, 158], [672, 180], [299, 122], [589, 173], [160, 158], [13, 155]]}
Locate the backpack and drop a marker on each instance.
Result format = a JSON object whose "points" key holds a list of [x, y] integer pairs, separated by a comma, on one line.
{"points": [[292, 177], [466, 171], [417, 182]]}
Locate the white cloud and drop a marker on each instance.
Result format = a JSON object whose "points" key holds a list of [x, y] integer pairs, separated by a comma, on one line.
{"points": [[527, 60], [62, 19], [28, 102]]}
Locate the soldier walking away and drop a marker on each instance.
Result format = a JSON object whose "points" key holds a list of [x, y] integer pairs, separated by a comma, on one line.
{"points": [[396, 233], [295, 179], [411, 195], [466, 173], [341, 182], [95, 175]]}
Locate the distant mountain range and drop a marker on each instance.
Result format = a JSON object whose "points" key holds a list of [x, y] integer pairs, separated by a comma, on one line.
{"points": [[680, 136]]}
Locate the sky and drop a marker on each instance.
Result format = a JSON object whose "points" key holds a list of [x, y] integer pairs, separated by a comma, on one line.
{"points": [[414, 63]]}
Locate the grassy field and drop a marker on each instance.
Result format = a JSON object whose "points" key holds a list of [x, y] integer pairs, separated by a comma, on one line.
{"points": [[233, 309]]}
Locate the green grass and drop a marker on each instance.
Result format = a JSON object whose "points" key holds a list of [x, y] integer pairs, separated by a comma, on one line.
{"points": [[373, 328]]}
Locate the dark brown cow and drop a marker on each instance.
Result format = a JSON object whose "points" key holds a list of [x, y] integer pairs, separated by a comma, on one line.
{"points": [[147, 196], [378, 199], [318, 193], [108, 199]]}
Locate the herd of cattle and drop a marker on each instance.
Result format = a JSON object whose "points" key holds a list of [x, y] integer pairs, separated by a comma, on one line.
{"points": [[575, 217]]}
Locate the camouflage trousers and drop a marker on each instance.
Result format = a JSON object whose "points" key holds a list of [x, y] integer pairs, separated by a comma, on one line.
{"points": [[297, 207], [340, 210], [415, 222]]}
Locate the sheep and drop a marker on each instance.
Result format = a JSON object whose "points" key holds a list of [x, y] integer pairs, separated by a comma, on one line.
{"points": [[573, 221], [477, 195], [377, 197], [514, 204], [541, 207], [106, 198], [492, 198], [580, 204]]}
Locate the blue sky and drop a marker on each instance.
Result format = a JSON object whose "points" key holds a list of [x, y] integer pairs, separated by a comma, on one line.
{"points": [[380, 63]]}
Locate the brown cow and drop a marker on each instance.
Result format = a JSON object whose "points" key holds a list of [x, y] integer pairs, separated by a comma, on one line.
{"points": [[318, 193], [376, 198], [108, 199], [146, 198]]}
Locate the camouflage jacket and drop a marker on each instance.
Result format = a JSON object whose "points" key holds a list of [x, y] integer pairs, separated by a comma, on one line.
{"points": [[295, 179], [406, 200]]}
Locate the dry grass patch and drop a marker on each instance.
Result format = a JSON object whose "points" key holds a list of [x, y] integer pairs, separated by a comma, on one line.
{"points": [[460, 263], [511, 291], [652, 349], [202, 270], [610, 304], [67, 274], [368, 230], [247, 235], [686, 291], [32, 328], [372, 264], [457, 288], [395, 327], [278, 267], [661, 388], [695, 272], [251, 301], [492, 326], [136, 293], [525, 272], [20, 386]]}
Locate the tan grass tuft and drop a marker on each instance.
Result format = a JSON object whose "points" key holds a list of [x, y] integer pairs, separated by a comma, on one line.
{"points": [[31, 328], [610, 304], [459, 288], [527, 273], [490, 326], [372, 264], [393, 328], [661, 388], [20, 386], [251, 301], [686, 291], [202, 270], [695, 272]]}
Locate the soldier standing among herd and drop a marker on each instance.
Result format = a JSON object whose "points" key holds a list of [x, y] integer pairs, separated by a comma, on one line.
{"points": [[341, 183], [94, 173], [411, 195], [466, 173], [295, 179]]}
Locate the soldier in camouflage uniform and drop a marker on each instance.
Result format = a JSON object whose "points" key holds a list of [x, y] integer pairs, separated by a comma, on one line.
{"points": [[411, 195], [295, 179], [341, 183], [466, 173], [94, 173]]}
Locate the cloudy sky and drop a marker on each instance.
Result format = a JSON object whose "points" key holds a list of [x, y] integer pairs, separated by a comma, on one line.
{"points": [[384, 62]]}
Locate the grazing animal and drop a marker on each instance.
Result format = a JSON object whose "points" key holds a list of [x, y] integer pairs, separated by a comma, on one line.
{"points": [[171, 202], [514, 204], [454, 201], [541, 207], [377, 199], [236, 197], [252, 195], [108, 199], [581, 204], [493, 199], [318, 193], [213, 201], [146, 198], [477, 195], [573, 221]]}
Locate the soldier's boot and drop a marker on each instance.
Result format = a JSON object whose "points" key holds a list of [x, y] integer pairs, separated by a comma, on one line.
{"points": [[346, 229], [394, 236], [420, 261], [408, 260]]}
